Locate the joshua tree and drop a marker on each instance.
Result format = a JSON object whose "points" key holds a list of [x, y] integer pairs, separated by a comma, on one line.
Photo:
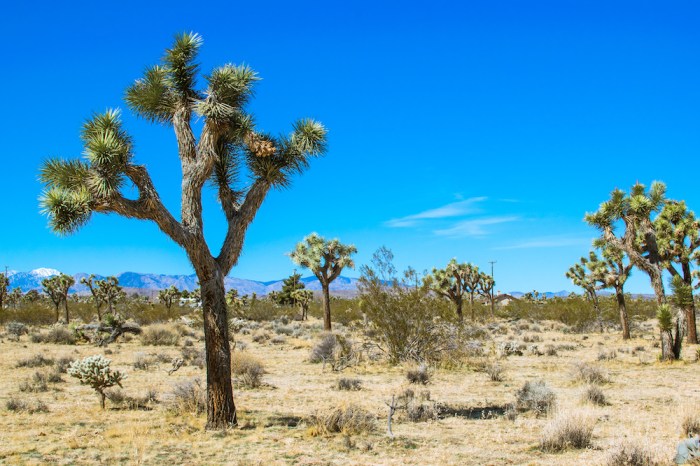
{"points": [[56, 288], [4, 285], [94, 291], [168, 297], [639, 242], [303, 298], [612, 271], [678, 237], [31, 296], [110, 292], [228, 145], [453, 282], [14, 297], [584, 275], [485, 289], [326, 259]]}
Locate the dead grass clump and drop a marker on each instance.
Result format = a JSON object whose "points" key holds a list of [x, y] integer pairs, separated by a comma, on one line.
{"points": [[630, 454], [535, 396], [36, 384], [16, 329], [511, 348], [38, 360], [550, 350], [348, 420], [495, 372], [278, 340], [193, 357], [419, 375], [348, 384], [159, 335], [324, 349], [248, 369], [590, 373], [142, 362], [568, 430], [57, 335], [62, 364], [691, 424], [123, 401], [189, 397], [595, 395], [20, 406], [261, 337], [607, 355]]}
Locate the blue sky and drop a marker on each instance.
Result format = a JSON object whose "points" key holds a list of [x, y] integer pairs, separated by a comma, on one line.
{"points": [[477, 130]]}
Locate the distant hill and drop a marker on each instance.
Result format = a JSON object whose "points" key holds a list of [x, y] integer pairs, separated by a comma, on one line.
{"points": [[149, 284]]}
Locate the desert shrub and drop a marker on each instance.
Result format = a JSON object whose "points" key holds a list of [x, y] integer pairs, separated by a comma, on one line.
{"points": [[348, 384], [189, 397], [631, 454], [568, 430], [62, 364], [17, 405], [511, 348], [123, 401], [278, 340], [159, 335], [550, 350], [142, 361], [532, 339], [95, 372], [282, 329], [418, 375], [16, 329], [37, 383], [38, 360], [335, 350], [349, 420], [691, 424], [194, 357], [595, 395], [407, 321], [495, 372], [260, 337], [607, 355], [57, 335], [588, 373], [535, 396], [248, 369]]}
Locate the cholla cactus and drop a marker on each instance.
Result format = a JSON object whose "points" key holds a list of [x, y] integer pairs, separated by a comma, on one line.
{"points": [[95, 372]]}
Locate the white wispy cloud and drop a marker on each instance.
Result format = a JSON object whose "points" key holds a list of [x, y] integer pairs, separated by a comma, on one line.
{"points": [[473, 227], [549, 242], [454, 209]]}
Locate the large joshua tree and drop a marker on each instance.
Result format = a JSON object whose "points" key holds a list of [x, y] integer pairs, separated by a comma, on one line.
{"points": [[57, 288], [639, 242], [326, 259], [228, 146]]}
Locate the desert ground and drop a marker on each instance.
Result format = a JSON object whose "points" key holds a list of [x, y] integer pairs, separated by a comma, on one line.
{"points": [[59, 421]]}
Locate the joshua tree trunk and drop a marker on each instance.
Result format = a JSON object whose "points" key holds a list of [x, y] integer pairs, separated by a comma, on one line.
{"points": [[471, 306], [622, 307], [326, 302], [596, 307], [460, 316], [65, 306], [667, 352], [221, 411]]}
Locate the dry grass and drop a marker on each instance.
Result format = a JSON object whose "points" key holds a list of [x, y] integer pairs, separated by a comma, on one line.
{"points": [[648, 400], [568, 430]]}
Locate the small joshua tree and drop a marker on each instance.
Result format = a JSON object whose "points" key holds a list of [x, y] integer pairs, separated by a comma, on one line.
{"points": [[303, 298], [453, 282], [57, 288], [326, 259], [168, 296], [583, 274], [94, 291], [95, 372], [4, 286], [110, 292]]}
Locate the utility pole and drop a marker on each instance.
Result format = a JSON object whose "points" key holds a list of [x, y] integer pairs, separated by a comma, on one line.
{"points": [[493, 283]]}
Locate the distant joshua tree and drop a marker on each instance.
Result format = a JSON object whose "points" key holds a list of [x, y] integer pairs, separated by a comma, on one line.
{"points": [[110, 292], [57, 288], [4, 285], [168, 297], [97, 299], [227, 145], [326, 259], [583, 274], [453, 282], [303, 298]]}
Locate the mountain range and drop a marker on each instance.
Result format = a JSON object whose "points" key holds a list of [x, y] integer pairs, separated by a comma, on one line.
{"points": [[149, 283]]}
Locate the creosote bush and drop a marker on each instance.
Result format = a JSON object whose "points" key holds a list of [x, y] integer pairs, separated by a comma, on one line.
{"points": [[95, 372], [248, 369], [419, 375], [568, 430], [535, 396], [159, 335], [348, 420]]}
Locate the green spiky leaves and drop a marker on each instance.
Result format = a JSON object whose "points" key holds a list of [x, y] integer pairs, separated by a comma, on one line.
{"points": [[325, 258], [68, 210], [665, 317], [152, 97]]}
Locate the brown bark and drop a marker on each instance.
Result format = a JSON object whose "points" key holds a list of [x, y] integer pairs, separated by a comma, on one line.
{"points": [[326, 303], [460, 316], [622, 307], [65, 306], [221, 410], [471, 306], [666, 345]]}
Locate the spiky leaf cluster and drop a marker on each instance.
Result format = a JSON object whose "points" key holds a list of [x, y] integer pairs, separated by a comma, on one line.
{"points": [[454, 280], [57, 287], [168, 296]]}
